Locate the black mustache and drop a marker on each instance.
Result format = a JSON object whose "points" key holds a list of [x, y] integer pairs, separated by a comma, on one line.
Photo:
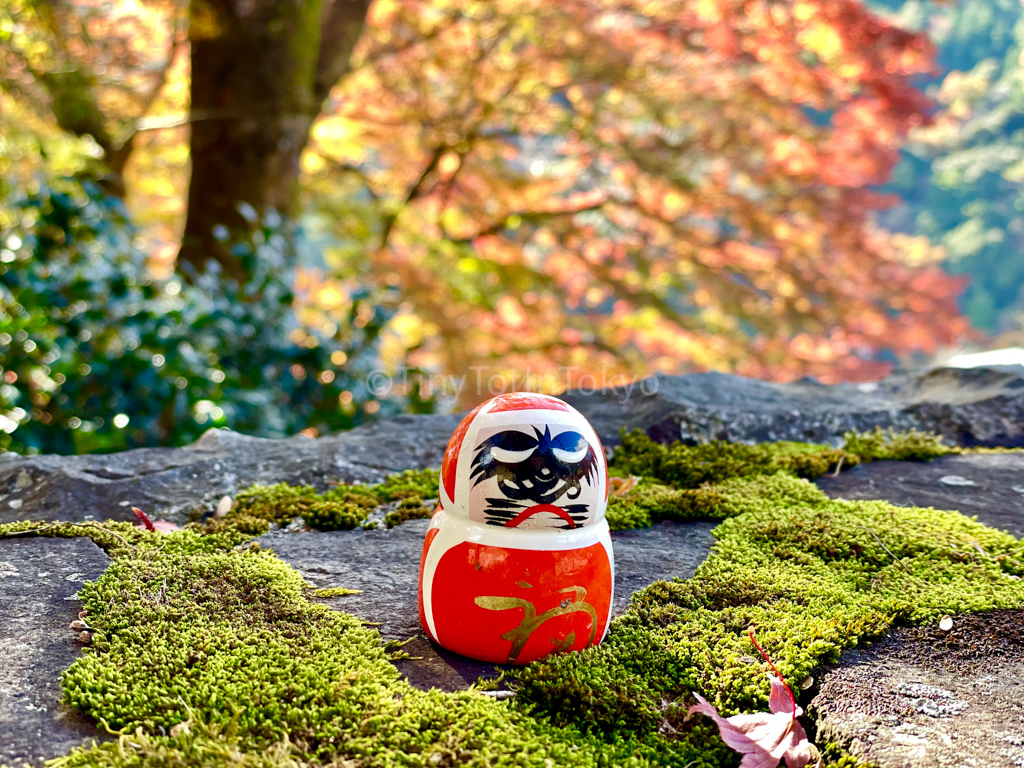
{"points": [[500, 511]]}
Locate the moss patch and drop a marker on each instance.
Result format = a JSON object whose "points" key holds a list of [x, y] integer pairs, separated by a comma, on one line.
{"points": [[675, 485], [413, 482], [677, 481], [652, 502], [410, 508], [813, 575], [690, 466], [339, 509], [336, 592], [208, 652], [343, 508], [893, 446]]}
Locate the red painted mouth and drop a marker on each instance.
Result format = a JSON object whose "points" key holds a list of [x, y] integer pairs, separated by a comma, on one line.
{"points": [[529, 512]]}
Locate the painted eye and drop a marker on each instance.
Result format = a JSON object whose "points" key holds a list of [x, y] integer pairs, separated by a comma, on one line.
{"points": [[506, 456], [570, 457], [569, 447]]}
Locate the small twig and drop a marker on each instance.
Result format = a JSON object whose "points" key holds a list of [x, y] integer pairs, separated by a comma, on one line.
{"points": [[116, 535], [895, 559], [41, 529], [28, 531], [157, 551], [839, 466], [109, 730]]}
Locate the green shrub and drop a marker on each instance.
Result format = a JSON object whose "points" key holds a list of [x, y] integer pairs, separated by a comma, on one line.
{"points": [[97, 355]]}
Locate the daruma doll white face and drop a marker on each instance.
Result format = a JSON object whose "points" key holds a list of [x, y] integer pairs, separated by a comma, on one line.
{"points": [[525, 461]]}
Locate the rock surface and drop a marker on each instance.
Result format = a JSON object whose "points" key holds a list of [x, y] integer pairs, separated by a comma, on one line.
{"points": [[168, 482], [922, 697], [967, 406], [970, 407], [988, 485], [384, 564], [38, 582]]}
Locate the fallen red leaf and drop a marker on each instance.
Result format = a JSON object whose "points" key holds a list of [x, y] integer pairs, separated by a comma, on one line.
{"points": [[146, 522], [150, 525], [764, 738]]}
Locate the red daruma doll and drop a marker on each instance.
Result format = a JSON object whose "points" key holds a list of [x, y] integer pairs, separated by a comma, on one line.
{"points": [[517, 562]]}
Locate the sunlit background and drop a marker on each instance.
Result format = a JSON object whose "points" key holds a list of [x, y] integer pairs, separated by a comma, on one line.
{"points": [[233, 212]]}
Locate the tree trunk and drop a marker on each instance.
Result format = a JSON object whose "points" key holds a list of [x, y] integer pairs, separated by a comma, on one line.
{"points": [[254, 66], [260, 70]]}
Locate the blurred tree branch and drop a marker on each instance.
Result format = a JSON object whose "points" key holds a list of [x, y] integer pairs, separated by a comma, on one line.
{"points": [[342, 24], [71, 87]]}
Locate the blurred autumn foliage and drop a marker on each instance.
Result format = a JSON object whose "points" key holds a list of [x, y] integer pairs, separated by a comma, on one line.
{"points": [[959, 183], [601, 186]]}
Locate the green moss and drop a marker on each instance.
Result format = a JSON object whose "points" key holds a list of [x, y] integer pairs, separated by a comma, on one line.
{"points": [[115, 537], [198, 627], [834, 756], [690, 466], [336, 592], [335, 516], [651, 502], [413, 482], [342, 508], [989, 450], [410, 508], [237, 522], [223, 639], [897, 446], [674, 488], [195, 745]]}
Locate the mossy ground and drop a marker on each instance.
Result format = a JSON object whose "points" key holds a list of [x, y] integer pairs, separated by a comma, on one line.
{"points": [[208, 652], [341, 508]]}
